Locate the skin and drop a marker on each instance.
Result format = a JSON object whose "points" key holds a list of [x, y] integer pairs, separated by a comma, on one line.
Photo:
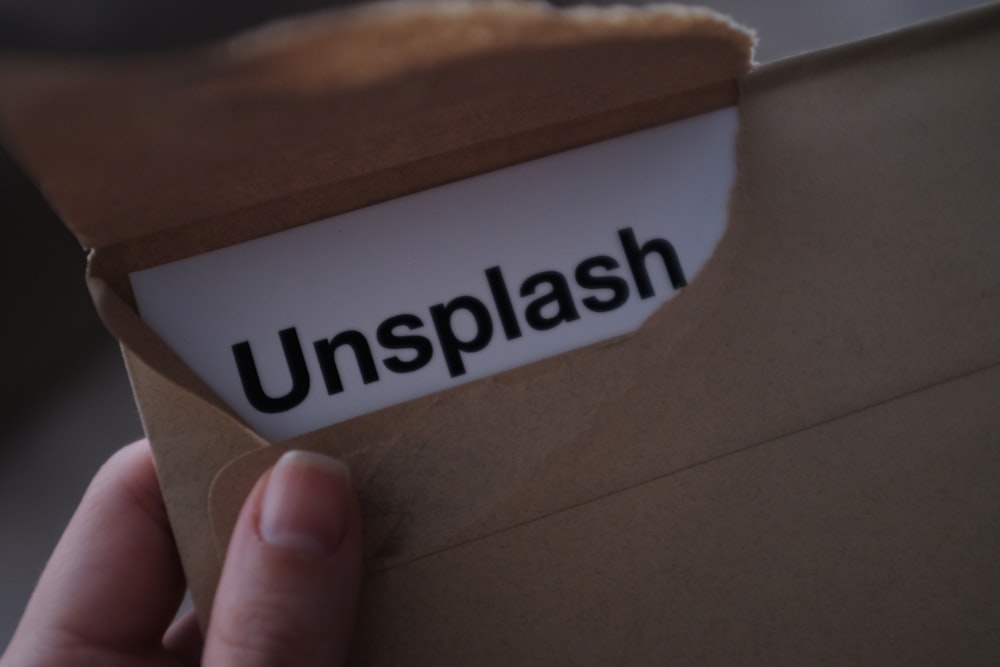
{"points": [[287, 595]]}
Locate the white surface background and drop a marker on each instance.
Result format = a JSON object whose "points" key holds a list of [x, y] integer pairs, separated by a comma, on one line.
{"points": [[51, 448]]}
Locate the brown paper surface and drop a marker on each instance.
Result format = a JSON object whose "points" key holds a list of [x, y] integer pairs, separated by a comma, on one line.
{"points": [[648, 496], [295, 123], [868, 540]]}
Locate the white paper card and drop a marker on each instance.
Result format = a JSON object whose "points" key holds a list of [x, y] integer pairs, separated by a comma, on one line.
{"points": [[330, 320]]}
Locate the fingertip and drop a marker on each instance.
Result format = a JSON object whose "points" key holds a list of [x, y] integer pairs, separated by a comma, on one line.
{"points": [[306, 504]]}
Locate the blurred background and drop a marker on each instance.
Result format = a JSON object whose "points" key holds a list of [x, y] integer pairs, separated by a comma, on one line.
{"points": [[65, 403]]}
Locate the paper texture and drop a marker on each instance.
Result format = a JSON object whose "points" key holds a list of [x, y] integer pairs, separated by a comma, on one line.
{"points": [[870, 539], [793, 460]]}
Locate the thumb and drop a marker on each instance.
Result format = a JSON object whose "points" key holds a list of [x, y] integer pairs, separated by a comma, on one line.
{"points": [[289, 586]]}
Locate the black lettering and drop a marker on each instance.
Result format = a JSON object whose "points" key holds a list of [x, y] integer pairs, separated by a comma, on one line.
{"points": [[559, 295], [586, 279], [451, 345], [326, 351], [250, 378], [389, 339], [501, 297], [637, 261]]}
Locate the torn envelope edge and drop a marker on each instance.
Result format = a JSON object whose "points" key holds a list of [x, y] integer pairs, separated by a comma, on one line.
{"points": [[691, 69]]}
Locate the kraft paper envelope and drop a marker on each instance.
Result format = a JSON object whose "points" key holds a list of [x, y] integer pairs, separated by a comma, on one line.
{"points": [[795, 461]]}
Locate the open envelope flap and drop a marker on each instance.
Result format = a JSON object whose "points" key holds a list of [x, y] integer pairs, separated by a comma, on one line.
{"points": [[301, 111], [167, 156]]}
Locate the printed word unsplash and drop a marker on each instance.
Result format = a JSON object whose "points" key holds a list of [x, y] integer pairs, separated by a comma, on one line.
{"points": [[546, 302], [370, 308]]}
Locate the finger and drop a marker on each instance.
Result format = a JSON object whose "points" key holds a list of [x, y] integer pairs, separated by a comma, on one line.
{"points": [[289, 587], [114, 581]]}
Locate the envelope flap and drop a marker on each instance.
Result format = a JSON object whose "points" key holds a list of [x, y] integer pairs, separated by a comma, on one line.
{"points": [[293, 115]]}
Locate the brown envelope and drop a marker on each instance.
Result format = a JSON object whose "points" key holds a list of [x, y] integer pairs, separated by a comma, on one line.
{"points": [[795, 459]]}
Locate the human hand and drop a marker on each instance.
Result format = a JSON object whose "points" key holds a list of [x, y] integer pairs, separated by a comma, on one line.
{"points": [[287, 595]]}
